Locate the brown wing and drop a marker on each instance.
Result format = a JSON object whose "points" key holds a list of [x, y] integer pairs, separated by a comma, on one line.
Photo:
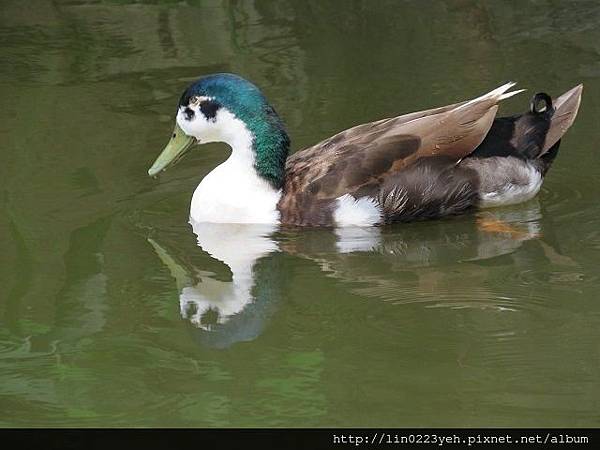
{"points": [[356, 161]]}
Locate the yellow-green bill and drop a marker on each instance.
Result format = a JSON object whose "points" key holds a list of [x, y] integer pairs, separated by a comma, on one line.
{"points": [[177, 146]]}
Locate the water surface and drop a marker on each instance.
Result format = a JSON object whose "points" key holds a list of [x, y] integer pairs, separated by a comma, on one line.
{"points": [[114, 313]]}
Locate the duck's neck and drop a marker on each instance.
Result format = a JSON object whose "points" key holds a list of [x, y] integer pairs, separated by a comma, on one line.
{"points": [[260, 143], [247, 186]]}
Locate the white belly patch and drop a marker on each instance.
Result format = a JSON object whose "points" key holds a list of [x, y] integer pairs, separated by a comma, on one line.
{"points": [[352, 212]]}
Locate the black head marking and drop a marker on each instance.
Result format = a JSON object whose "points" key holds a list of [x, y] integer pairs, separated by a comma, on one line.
{"points": [[189, 113], [209, 108]]}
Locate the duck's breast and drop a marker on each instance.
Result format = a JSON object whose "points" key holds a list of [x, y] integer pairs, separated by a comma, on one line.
{"points": [[231, 194]]}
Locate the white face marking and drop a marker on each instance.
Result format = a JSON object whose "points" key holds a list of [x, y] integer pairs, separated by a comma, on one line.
{"points": [[203, 129], [224, 127]]}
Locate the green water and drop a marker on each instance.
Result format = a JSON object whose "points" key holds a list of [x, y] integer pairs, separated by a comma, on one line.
{"points": [[111, 314]]}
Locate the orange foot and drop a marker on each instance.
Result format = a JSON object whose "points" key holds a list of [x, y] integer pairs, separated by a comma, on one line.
{"points": [[493, 225]]}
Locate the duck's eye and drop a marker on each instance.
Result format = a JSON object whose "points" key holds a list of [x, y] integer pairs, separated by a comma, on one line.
{"points": [[195, 100], [189, 113]]}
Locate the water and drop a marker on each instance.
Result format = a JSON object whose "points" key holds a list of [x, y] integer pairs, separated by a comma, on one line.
{"points": [[112, 315]]}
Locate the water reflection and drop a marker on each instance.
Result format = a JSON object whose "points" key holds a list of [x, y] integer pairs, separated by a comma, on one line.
{"points": [[225, 311], [229, 309]]}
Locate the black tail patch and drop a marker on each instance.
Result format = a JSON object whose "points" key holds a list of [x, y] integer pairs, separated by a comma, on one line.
{"points": [[521, 136], [545, 161]]}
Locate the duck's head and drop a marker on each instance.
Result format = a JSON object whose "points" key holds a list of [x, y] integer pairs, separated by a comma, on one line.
{"points": [[227, 108]]}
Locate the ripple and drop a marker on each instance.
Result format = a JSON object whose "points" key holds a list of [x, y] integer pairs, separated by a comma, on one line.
{"points": [[9, 347]]}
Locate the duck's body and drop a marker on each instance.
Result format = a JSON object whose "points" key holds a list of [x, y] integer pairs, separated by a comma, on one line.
{"points": [[422, 165]]}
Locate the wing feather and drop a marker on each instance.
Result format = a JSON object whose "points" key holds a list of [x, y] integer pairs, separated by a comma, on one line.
{"points": [[357, 160]]}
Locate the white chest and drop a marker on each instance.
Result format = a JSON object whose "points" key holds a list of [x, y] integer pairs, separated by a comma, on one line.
{"points": [[234, 193]]}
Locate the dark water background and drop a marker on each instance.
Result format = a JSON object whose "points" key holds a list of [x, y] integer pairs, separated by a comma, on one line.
{"points": [[112, 315]]}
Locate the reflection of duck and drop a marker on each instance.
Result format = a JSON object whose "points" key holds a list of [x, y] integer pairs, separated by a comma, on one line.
{"points": [[439, 263], [493, 233], [227, 311], [426, 164]]}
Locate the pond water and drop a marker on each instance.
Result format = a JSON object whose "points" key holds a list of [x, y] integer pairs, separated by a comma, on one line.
{"points": [[114, 313]]}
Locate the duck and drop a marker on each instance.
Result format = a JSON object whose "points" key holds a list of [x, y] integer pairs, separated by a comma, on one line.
{"points": [[422, 165]]}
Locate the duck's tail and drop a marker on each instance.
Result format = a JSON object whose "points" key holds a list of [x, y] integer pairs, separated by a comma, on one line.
{"points": [[564, 112], [535, 135]]}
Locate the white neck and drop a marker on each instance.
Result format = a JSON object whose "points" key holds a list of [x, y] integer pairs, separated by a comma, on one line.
{"points": [[233, 192], [239, 138]]}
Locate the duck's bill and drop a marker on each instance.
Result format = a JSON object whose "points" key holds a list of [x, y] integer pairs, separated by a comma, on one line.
{"points": [[175, 149]]}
